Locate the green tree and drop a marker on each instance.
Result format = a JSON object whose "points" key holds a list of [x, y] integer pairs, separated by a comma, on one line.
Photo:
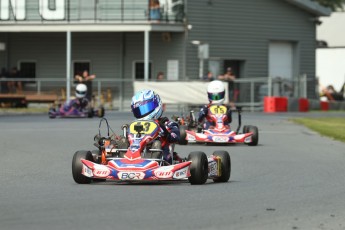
{"points": [[332, 4]]}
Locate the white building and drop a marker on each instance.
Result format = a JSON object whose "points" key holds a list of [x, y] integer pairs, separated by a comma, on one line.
{"points": [[330, 60]]}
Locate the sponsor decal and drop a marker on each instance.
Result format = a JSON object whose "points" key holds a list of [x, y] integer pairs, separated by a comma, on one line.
{"points": [[164, 172], [248, 139], [239, 137], [220, 139], [131, 175], [212, 168], [86, 171], [182, 173], [101, 172], [190, 137]]}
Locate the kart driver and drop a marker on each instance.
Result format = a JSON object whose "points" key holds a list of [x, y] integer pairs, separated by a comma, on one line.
{"points": [[216, 93], [147, 105], [80, 102]]}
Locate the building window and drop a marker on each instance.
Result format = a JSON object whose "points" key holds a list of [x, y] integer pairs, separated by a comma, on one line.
{"points": [[27, 69], [139, 71]]}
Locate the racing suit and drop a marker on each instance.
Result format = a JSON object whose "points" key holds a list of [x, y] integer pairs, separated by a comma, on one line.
{"points": [[204, 114], [169, 134], [77, 103]]}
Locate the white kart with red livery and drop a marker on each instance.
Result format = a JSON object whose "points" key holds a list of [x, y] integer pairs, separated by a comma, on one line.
{"points": [[221, 133], [143, 160]]}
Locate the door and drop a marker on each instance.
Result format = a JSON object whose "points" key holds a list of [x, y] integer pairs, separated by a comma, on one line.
{"points": [[281, 60]]}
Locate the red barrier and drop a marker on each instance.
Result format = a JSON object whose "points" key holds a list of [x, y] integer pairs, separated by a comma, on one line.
{"points": [[275, 104], [303, 105], [324, 105]]}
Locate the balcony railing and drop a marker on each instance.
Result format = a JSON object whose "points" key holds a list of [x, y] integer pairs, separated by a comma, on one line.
{"points": [[98, 11]]}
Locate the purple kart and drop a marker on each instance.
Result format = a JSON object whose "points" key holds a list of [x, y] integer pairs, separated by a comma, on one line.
{"points": [[69, 109]]}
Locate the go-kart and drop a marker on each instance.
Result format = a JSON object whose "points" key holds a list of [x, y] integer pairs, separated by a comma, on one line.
{"points": [[66, 110], [219, 133], [136, 156]]}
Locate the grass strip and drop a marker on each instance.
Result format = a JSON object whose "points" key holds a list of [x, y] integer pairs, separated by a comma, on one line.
{"points": [[333, 127]]}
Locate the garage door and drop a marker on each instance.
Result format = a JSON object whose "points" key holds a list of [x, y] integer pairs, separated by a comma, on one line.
{"points": [[280, 59]]}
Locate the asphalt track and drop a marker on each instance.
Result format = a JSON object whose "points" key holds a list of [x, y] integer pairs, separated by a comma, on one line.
{"points": [[294, 179]]}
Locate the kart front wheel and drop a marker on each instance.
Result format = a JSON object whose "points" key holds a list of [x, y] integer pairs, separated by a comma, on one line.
{"points": [[52, 113], [255, 136], [183, 135], [225, 166], [198, 167], [77, 166]]}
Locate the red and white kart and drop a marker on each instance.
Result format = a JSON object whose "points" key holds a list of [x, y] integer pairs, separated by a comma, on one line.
{"points": [[220, 133], [143, 160]]}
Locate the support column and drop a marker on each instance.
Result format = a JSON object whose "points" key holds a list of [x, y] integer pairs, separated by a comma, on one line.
{"points": [[146, 55], [68, 65]]}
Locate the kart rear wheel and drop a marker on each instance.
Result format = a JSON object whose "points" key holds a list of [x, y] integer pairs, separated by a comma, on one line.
{"points": [[77, 166], [225, 166], [255, 136], [183, 135], [122, 143], [198, 168], [90, 113], [245, 129], [155, 154], [51, 113], [101, 111]]}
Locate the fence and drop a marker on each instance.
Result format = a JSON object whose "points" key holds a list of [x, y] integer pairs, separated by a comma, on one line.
{"points": [[116, 93]]}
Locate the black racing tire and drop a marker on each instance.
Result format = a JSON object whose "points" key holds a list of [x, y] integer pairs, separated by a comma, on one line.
{"points": [[183, 135], [101, 111], [77, 166], [90, 113], [198, 167], [122, 143], [225, 166], [51, 113], [155, 154], [255, 136], [96, 154], [245, 129]]}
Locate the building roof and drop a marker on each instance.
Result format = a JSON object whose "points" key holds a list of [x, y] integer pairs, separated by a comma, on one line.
{"points": [[312, 7]]}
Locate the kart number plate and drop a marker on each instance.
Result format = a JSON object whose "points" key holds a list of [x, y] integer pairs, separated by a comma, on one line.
{"points": [[220, 139], [218, 109], [148, 127]]}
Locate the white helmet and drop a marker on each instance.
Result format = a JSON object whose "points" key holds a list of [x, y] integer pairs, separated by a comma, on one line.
{"points": [[216, 92], [80, 91]]}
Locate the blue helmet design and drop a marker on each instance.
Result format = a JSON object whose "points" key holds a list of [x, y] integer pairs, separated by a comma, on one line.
{"points": [[146, 105]]}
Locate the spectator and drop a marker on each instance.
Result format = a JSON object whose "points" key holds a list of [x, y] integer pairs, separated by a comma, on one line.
{"points": [[155, 13], [13, 85], [4, 85], [332, 94], [160, 76], [86, 79], [230, 77], [208, 77]]}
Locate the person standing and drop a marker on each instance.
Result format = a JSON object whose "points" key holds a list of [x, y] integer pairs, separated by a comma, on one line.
{"points": [[209, 76], [155, 10], [160, 76], [230, 78], [86, 79]]}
